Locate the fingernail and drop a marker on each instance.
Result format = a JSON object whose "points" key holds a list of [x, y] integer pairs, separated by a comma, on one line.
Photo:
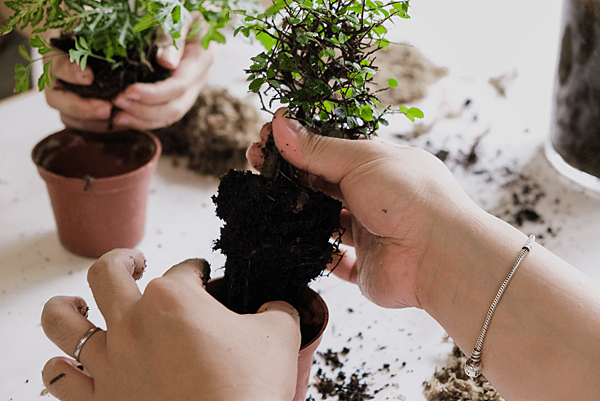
{"points": [[138, 271], [122, 102], [81, 306], [122, 119], [57, 378], [130, 94], [293, 124], [278, 306], [168, 57]]}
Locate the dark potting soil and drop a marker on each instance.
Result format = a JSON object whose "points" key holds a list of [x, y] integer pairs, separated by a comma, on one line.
{"points": [[352, 389], [78, 154], [345, 387], [112, 79], [276, 237]]}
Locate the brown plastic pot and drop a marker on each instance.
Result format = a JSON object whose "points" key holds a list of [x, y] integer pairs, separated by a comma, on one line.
{"points": [[98, 186], [314, 317]]}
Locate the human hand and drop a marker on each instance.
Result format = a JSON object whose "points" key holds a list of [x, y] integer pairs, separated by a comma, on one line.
{"points": [[173, 342], [160, 104], [142, 105], [87, 114], [403, 208]]}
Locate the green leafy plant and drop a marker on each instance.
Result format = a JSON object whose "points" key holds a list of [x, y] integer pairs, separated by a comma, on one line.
{"points": [[107, 29], [319, 60]]}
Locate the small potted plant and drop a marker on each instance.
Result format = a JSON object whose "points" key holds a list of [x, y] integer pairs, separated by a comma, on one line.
{"points": [[318, 60], [98, 183]]}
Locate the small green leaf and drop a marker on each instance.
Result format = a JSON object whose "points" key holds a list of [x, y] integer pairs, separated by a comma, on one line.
{"points": [[176, 14], [212, 36], [266, 40], [366, 113], [369, 70], [22, 78], [46, 76], [341, 112], [392, 82], [327, 53], [36, 41], [256, 84], [413, 111], [23, 52]]}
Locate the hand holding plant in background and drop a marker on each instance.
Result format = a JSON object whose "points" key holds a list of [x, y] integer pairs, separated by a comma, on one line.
{"points": [[108, 29]]}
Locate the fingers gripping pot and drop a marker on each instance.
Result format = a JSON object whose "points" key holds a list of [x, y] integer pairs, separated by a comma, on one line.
{"points": [[314, 317], [98, 186]]}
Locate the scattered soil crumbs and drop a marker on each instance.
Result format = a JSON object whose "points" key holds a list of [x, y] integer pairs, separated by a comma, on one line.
{"points": [[452, 383], [350, 390], [343, 387], [500, 83], [215, 133], [520, 194], [525, 195], [413, 72]]}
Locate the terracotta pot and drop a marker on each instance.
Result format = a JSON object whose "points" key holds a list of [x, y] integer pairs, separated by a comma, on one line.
{"points": [[314, 317], [98, 186]]}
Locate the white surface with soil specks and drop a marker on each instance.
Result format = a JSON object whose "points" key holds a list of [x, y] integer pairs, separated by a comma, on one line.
{"points": [[476, 41]]}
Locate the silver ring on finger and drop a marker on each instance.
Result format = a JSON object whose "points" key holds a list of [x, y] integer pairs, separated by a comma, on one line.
{"points": [[83, 340]]}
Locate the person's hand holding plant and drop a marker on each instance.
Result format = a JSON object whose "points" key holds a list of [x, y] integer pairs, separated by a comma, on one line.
{"points": [[142, 105], [401, 204]]}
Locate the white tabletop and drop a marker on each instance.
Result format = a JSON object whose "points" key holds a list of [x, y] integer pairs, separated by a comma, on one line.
{"points": [[475, 42]]}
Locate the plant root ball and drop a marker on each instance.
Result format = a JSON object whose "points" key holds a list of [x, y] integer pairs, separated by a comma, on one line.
{"points": [[276, 238], [109, 79]]}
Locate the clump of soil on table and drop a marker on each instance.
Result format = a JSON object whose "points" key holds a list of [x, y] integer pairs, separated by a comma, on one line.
{"points": [[452, 383], [413, 72], [112, 79], [214, 134]]}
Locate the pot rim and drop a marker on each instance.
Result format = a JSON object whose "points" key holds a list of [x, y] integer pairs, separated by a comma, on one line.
{"points": [[314, 295], [104, 184]]}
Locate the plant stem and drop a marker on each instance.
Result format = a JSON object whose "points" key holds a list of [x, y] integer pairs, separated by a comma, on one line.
{"points": [[273, 159]]}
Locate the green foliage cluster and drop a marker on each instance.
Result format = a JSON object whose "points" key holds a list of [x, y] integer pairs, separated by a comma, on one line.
{"points": [[319, 60], [107, 29]]}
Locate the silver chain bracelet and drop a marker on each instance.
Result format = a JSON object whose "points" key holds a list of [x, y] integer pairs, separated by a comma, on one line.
{"points": [[473, 365]]}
